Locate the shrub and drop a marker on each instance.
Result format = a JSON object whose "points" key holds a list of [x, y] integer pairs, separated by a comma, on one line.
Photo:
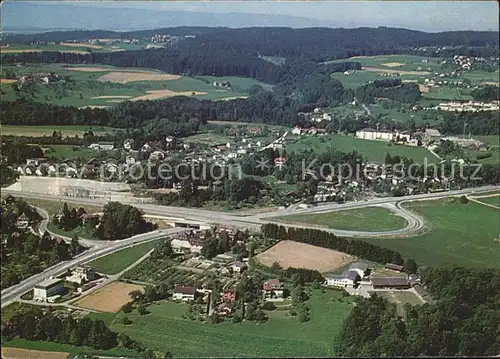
{"points": [[268, 306], [464, 200]]}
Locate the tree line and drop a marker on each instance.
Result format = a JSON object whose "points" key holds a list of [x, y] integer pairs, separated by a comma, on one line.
{"points": [[392, 89], [38, 324], [463, 321]]}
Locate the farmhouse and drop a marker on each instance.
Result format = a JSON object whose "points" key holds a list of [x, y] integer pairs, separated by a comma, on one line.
{"points": [[394, 267], [183, 293], [22, 221], [347, 279], [360, 268], [48, 288], [431, 134], [238, 267], [182, 245], [371, 134], [273, 289], [390, 282]]}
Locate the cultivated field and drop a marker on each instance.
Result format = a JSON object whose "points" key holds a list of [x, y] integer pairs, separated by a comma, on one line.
{"points": [[7, 81], [16, 353], [461, 234], [393, 64], [301, 255], [363, 219], [158, 94], [125, 77], [79, 44], [109, 298]]}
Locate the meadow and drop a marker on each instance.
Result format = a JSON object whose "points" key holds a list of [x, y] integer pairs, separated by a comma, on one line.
{"points": [[461, 234], [282, 335], [370, 149], [116, 262], [397, 62], [363, 219], [38, 131]]}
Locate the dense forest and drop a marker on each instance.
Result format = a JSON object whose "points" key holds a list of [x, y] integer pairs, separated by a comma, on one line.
{"points": [[463, 321], [321, 44]]}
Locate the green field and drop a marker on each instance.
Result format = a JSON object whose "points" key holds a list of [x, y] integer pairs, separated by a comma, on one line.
{"points": [[461, 234], [281, 336], [363, 219], [77, 48], [402, 116], [447, 93], [116, 262], [67, 151], [34, 131], [409, 62], [358, 78], [492, 140], [493, 200], [67, 348], [493, 159], [82, 88], [371, 149]]}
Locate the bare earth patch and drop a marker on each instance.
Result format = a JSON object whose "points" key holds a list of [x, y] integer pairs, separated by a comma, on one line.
{"points": [[105, 69], [423, 88], [7, 81], [117, 96], [79, 44], [17, 353], [301, 255], [390, 71], [157, 94], [393, 64], [124, 77], [93, 106], [490, 83], [109, 298]]}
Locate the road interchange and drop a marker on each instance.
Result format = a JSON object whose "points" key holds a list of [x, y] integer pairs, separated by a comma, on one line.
{"points": [[415, 225]]}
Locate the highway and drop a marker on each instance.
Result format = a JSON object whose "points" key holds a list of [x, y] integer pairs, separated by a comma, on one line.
{"points": [[415, 225], [10, 293]]}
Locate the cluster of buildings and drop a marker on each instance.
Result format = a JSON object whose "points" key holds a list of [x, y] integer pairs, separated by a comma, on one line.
{"points": [[318, 115], [404, 137], [464, 62], [50, 290], [308, 131], [45, 78], [470, 106]]}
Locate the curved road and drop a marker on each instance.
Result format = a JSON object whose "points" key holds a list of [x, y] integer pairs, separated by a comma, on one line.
{"points": [[415, 225]]}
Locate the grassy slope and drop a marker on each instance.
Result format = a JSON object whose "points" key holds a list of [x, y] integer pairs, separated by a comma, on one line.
{"points": [[364, 219], [48, 130], [495, 200], [118, 261], [461, 234], [373, 150], [282, 335]]}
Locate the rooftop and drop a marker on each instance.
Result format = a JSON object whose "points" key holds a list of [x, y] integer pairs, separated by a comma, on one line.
{"points": [[184, 290], [389, 281], [49, 282], [358, 265]]}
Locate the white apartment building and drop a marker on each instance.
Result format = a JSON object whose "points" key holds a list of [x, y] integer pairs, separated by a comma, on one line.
{"points": [[371, 134]]}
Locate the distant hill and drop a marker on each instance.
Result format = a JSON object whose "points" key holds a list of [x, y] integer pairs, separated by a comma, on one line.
{"points": [[25, 17]]}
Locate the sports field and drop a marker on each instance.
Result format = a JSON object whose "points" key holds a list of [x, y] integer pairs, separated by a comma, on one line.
{"points": [[371, 149], [363, 219], [302, 255], [119, 261], [461, 234], [109, 298], [280, 336]]}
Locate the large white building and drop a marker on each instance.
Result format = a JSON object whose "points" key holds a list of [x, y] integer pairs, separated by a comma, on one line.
{"points": [[48, 288], [371, 134], [347, 279]]}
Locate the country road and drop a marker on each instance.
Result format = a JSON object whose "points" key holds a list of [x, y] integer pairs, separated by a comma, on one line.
{"points": [[415, 225]]}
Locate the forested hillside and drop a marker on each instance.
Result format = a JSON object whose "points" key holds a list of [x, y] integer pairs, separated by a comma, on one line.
{"points": [[463, 321]]}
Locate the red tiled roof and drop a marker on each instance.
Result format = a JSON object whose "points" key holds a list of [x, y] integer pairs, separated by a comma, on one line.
{"points": [[184, 290]]}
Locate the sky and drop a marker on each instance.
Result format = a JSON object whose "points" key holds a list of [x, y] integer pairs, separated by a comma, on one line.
{"points": [[423, 15]]}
